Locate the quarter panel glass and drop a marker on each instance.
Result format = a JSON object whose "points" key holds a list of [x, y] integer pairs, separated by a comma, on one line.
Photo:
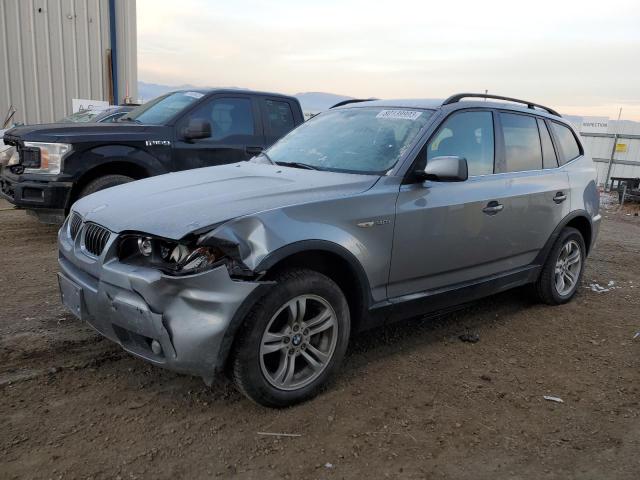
{"points": [[568, 143]]}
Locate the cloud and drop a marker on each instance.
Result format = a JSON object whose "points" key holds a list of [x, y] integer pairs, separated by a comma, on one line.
{"points": [[574, 54]]}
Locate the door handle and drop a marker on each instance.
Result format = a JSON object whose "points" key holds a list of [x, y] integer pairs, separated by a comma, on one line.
{"points": [[493, 207], [254, 150], [560, 197]]}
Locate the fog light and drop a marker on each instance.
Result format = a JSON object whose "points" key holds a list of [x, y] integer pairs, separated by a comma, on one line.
{"points": [[145, 247], [156, 347]]}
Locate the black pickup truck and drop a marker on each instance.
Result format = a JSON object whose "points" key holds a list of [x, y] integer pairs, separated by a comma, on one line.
{"points": [[51, 166]]}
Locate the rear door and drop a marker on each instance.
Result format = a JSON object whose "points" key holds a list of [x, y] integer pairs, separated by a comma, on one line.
{"points": [[537, 190], [236, 133]]}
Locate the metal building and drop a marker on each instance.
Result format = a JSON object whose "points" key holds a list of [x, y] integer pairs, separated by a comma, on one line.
{"points": [[616, 150], [52, 51]]}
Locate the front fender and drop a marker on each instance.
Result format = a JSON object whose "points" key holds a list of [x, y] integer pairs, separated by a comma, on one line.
{"points": [[154, 163], [342, 226]]}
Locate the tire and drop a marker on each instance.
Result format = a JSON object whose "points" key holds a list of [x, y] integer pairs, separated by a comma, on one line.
{"points": [[262, 374], [547, 287], [101, 183]]}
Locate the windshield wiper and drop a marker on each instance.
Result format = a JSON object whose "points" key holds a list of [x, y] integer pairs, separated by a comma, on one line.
{"points": [[265, 155], [298, 165]]}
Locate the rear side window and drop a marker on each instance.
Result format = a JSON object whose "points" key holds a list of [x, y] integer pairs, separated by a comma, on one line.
{"points": [[568, 143], [549, 158], [521, 143], [468, 135], [279, 118]]}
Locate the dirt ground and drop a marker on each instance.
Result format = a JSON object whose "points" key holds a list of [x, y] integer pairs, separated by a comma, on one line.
{"points": [[412, 400]]}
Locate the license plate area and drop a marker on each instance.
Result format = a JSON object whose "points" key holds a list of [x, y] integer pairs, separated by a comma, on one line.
{"points": [[71, 296]]}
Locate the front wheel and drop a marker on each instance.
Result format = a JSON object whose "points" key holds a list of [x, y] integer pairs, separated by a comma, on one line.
{"points": [[562, 272], [293, 340], [106, 181]]}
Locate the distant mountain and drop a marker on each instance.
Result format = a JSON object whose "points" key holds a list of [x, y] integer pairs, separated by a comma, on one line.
{"points": [[314, 102], [311, 102], [149, 91]]}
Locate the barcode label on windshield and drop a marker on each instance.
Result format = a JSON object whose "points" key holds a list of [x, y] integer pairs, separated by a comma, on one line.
{"points": [[399, 114], [194, 94]]}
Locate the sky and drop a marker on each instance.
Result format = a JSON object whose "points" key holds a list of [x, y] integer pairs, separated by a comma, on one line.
{"points": [[581, 58]]}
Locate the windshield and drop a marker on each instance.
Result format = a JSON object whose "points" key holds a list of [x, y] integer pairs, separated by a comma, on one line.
{"points": [[368, 140], [81, 117], [162, 109]]}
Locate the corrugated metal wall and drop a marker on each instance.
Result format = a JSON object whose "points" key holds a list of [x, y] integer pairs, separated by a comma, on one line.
{"points": [[52, 51]]}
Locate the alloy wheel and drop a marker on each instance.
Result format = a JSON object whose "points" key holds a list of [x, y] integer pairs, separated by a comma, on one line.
{"points": [[568, 267], [299, 342]]}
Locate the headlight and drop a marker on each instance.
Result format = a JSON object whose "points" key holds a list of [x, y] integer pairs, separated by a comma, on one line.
{"points": [[173, 258], [51, 155]]}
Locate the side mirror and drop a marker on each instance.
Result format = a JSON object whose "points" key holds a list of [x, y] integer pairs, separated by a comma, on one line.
{"points": [[445, 169], [196, 128]]}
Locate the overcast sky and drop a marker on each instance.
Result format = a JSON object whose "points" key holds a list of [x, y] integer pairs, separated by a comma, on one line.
{"points": [[579, 57]]}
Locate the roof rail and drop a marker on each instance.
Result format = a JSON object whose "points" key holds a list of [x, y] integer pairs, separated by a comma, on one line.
{"points": [[459, 96], [351, 100]]}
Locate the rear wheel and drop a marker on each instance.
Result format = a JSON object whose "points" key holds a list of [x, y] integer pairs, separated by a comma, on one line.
{"points": [[293, 340], [563, 269], [103, 182]]}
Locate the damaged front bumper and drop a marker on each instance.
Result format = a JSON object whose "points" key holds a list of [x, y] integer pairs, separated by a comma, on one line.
{"points": [[183, 323]]}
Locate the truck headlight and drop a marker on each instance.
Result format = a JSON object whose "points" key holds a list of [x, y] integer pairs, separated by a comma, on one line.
{"points": [[171, 257], [51, 155]]}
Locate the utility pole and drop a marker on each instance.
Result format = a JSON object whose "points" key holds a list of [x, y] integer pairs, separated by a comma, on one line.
{"points": [[613, 152]]}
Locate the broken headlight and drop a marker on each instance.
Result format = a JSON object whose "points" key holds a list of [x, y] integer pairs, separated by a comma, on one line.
{"points": [[171, 257], [8, 156]]}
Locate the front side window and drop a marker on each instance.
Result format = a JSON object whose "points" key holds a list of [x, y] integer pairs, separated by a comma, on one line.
{"points": [[231, 119], [522, 147], [368, 140], [568, 144], [468, 135]]}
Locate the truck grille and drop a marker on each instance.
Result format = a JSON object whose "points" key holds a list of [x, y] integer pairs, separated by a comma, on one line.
{"points": [[95, 238], [74, 225]]}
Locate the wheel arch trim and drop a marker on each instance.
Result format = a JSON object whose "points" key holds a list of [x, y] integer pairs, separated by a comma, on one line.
{"points": [[541, 258], [271, 260]]}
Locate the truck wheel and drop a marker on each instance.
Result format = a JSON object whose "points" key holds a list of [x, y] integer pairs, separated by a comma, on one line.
{"points": [[562, 272], [101, 183], [293, 340]]}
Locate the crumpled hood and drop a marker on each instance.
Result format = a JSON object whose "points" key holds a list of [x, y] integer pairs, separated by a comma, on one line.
{"points": [[176, 204]]}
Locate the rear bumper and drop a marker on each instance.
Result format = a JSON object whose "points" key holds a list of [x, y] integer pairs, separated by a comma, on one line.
{"points": [[192, 318], [31, 193]]}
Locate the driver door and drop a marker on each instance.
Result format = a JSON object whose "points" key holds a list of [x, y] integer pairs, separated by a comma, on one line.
{"points": [[446, 233], [236, 133]]}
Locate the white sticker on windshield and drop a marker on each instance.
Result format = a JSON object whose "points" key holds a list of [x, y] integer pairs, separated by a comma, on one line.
{"points": [[194, 94], [399, 114]]}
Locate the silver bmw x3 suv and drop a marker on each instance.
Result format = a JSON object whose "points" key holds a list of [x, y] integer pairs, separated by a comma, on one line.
{"points": [[368, 213]]}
